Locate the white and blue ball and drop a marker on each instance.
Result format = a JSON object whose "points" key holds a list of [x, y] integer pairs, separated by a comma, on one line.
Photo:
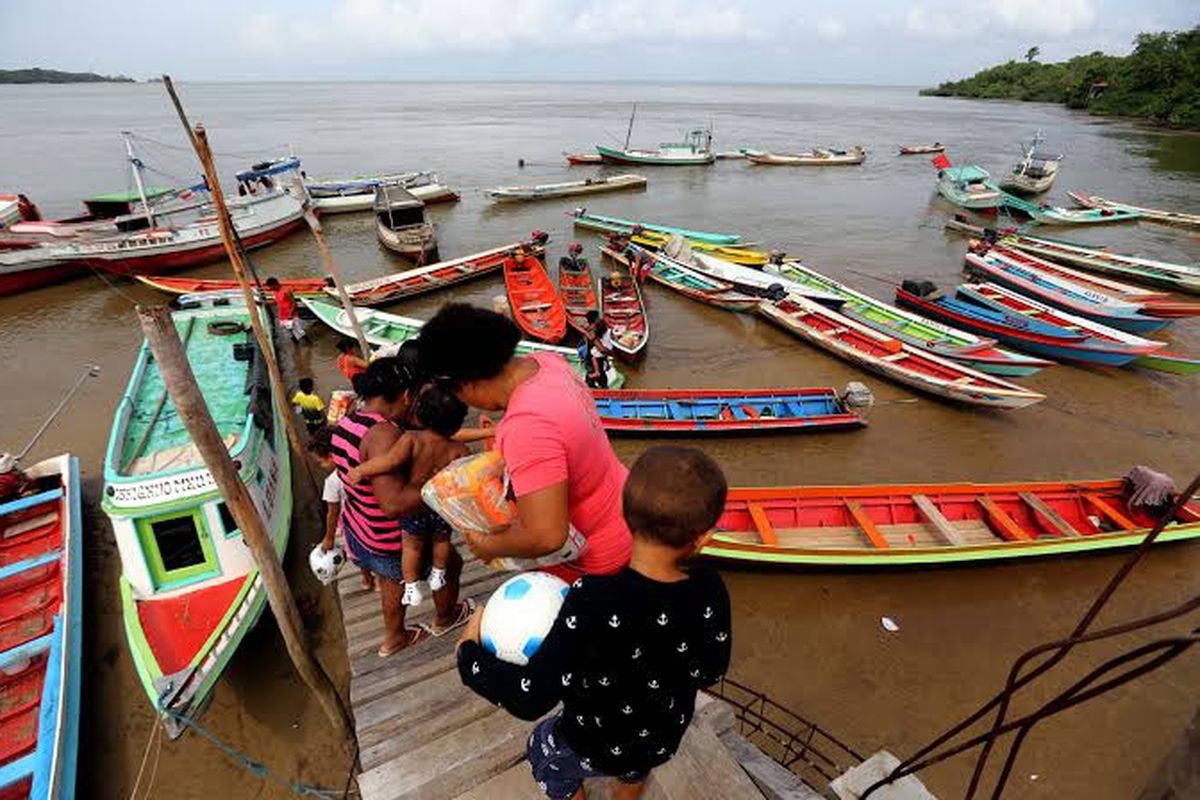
{"points": [[520, 614]]}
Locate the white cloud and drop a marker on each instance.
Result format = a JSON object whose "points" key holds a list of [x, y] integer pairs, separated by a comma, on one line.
{"points": [[603, 21], [1049, 19], [831, 28]]}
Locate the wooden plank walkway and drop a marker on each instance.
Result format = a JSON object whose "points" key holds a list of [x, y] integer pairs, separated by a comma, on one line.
{"points": [[422, 734]]}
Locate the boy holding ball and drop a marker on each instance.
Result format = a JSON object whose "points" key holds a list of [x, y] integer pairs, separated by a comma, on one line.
{"points": [[628, 651]]}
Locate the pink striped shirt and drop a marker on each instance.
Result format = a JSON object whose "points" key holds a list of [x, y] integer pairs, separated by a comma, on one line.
{"points": [[362, 516]]}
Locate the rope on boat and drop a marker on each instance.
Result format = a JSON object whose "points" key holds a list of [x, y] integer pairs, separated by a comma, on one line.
{"points": [[155, 737], [256, 768]]}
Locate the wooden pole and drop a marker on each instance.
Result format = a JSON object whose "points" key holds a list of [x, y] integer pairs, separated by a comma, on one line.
{"points": [[193, 411], [331, 268]]}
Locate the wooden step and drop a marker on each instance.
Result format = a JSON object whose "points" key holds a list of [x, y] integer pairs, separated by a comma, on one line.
{"points": [[427, 715]]}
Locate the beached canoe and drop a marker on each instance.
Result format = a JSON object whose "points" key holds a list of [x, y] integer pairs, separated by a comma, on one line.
{"points": [[549, 191], [534, 302], [1014, 270], [41, 611], [388, 331], [690, 412], [1178, 218], [615, 224], [623, 309], [1174, 363], [578, 291], [691, 283], [201, 285], [888, 356], [817, 157], [957, 345], [760, 282], [419, 280], [922, 149], [190, 589], [932, 524]]}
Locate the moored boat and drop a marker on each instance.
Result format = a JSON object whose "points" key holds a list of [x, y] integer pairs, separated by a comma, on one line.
{"points": [[535, 305], [549, 191], [623, 309], [1035, 172], [401, 226], [190, 589], [892, 358], [358, 194], [933, 524], [578, 291], [694, 150], [968, 186], [389, 331], [203, 285], [817, 157], [41, 612], [764, 282], [1174, 363], [607, 224], [714, 411], [1179, 218], [691, 283], [33, 267], [657, 240], [922, 149], [579, 159]]}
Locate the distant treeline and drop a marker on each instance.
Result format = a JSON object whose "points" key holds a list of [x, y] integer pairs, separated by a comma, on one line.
{"points": [[39, 75], [1159, 81]]}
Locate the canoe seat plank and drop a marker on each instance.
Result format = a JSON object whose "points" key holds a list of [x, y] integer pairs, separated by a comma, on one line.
{"points": [[935, 518], [1114, 516], [766, 531], [1047, 513], [867, 524], [1007, 526]]}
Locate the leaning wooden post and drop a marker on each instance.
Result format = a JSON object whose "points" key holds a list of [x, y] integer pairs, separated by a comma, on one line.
{"points": [[331, 268], [193, 411]]}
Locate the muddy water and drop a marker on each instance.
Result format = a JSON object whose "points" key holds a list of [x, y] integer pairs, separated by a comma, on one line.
{"points": [[813, 640]]}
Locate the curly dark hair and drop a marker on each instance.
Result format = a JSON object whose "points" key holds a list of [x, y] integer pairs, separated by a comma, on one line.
{"points": [[320, 441], [673, 495], [466, 343], [388, 377], [439, 411]]}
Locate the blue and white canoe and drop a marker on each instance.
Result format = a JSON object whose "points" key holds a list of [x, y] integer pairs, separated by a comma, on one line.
{"points": [[40, 597], [693, 412]]}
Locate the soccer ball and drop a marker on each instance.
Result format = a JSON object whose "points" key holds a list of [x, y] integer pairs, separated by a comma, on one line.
{"points": [[326, 563], [519, 615]]}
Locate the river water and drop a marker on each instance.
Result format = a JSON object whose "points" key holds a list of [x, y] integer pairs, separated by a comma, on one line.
{"points": [[812, 640]]}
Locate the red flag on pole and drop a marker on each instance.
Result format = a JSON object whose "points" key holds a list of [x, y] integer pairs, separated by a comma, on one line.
{"points": [[940, 161]]}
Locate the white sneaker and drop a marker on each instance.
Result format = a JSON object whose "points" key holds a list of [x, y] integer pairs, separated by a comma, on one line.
{"points": [[437, 579], [412, 595]]}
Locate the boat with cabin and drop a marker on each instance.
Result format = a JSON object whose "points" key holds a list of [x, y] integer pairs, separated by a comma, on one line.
{"points": [[550, 191], [968, 186], [190, 589], [688, 412], [694, 150], [401, 226], [1035, 172]]}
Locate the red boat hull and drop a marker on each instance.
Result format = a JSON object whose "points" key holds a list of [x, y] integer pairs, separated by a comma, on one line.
{"points": [[163, 263], [14, 282], [536, 307]]}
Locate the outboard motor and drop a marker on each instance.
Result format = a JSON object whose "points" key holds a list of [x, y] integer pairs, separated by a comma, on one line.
{"points": [[920, 288], [539, 237], [775, 292]]}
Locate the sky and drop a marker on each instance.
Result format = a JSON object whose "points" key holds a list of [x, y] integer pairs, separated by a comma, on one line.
{"points": [[894, 42]]}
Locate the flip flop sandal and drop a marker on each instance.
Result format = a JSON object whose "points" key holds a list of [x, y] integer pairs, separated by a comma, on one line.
{"points": [[465, 609], [419, 634]]}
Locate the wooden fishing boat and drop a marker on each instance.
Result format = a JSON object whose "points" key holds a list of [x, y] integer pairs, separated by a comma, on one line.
{"points": [[549, 191], [41, 610], [1056, 215], [1015, 271], [817, 157], [388, 331], [694, 150], [888, 356], [656, 240], [968, 186], [762, 282], [108, 214], [601, 222], [700, 411], [922, 149], [1177, 277], [344, 195], [950, 343], [690, 283], [990, 310], [1035, 172], [190, 589], [579, 159], [623, 309], [578, 291], [730, 155], [536, 307], [201, 285], [1150, 214], [33, 267], [419, 280], [933, 524], [401, 226], [10, 210], [1169, 362]]}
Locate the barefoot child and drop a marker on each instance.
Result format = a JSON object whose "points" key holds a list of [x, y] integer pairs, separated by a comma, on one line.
{"points": [[320, 444], [420, 453], [628, 651]]}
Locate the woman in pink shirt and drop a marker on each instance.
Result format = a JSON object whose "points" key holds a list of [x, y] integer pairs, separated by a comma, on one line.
{"points": [[563, 471]]}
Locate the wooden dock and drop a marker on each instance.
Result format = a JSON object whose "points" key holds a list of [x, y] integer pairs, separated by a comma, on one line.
{"points": [[422, 734]]}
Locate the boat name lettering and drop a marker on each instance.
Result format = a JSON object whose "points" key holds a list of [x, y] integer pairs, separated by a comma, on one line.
{"points": [[164, 489]]}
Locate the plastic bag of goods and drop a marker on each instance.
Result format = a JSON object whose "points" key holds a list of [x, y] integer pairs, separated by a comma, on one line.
{"points": [[340, 403]]}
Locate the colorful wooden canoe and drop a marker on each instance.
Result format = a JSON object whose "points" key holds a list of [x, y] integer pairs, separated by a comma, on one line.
{"points": [[888, 356], [1018, 272], [534, 302], [960, 346], [584, 219], [577, 159], [201, 285], [623, 309], [1151, 214], [389, 331], [690, 283], [932, 524], [190, 589], [762, 282], [817, 157], [1169, 362], [578, 291], [41, 573], [389, 288], [1046, 214], [1009, 317], [702, 411], [1177, 277], [656, 240]]}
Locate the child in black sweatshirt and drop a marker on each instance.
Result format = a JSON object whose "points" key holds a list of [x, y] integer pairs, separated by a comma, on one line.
{"points": [[628, 651]]}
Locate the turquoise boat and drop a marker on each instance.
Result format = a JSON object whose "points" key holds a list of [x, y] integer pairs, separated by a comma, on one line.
{"points": [[389, 331], [190, 589], [600, 222], [969, 186], [41, 573]]}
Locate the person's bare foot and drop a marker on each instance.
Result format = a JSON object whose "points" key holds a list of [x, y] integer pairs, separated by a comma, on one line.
{"points": [[412, 636], [368, 582]]}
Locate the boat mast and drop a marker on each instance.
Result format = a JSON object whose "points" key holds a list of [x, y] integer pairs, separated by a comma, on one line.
{"points": [[136, 166], [629, 132]]}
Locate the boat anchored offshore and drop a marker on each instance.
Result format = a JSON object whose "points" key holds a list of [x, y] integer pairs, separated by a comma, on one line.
{"points": [[922, 149], [1035, 172], [694, 150], [190, 589], [817, 157], [549, 191], [400, 224]]}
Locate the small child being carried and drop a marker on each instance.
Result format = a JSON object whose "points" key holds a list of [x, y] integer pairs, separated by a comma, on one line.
{"points": [[419, 454]]}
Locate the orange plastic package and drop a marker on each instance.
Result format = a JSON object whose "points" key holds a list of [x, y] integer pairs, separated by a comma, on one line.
{"points": [[471, 493]]}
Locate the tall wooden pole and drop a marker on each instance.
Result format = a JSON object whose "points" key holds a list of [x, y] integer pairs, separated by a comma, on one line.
{"points": [[193, 411], [314, 225]]}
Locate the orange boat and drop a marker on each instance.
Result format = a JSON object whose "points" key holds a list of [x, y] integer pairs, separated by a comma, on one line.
{"points": [[578, 291], [196, 285], [536, 307], [933, 524]]}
